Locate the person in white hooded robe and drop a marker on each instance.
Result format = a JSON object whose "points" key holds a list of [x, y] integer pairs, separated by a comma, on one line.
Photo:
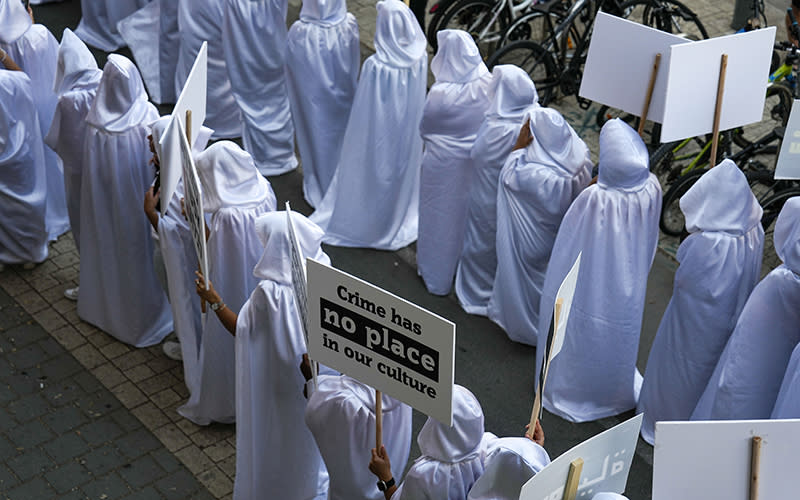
{"points": [[341, 416], [614, 224], [200, 21], [452, 116], [322, 60], [254, 45], [276, 456], [787, 404], [373, 199], [510, 463], [235, 194], [536, 187], [748, 375], [119, 291], [35, 50], [720, 263], [99, 18], [23, 186], [511, 95], [452, 457]]}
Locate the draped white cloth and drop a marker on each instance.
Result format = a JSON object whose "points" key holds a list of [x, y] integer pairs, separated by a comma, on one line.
{"points": [[510, 463], [373, 199], [452, 457], [536, 187], [452, 116], [720, 263], [235, 194], [99, 18], [76, 80], [200, 21], [787, 404], [614, 223], [341, 416], [119, 291], [35, 50], [322, 59], [276, 456], [609, 496], [511, 94], [748, 376], [23, 185]]}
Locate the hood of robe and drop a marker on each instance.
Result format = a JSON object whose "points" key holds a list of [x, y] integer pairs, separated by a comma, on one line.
{"points": [[76, 67], [609, 496], [787, 234], [230, 178], [399, 40], [15, 115], [158, 127], [511, 92], [323, 12], [721, 200], [624, 160], [555, 143], [14, 20], [463, 439], [510, 463], [366, 394], [121, 102], [458, 59], [273, 231]]}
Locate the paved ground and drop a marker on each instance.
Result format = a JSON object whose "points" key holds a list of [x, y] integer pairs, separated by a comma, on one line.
{"points": [[84, 416]]}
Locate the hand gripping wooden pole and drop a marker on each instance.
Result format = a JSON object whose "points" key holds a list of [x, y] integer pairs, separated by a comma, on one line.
{"points": [[537, 400], [574, 475], [755, 463], [378, 420], [723, 67], [649, 96]]}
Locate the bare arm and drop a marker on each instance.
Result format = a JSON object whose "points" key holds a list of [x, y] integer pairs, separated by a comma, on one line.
{"points": [[226, 316], [150, 202], [382, 468], [7, 62]]}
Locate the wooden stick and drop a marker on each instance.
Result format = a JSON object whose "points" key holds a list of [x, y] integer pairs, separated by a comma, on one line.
{"points": [[649, 96], [378, 420], [574, 475], [755, 461], [537, 399], [723, 67]]}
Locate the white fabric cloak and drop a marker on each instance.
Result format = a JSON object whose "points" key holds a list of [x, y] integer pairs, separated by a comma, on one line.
{"points": [[276, 456], [23, 186], [119, 291], [720, 263], [76, 81], [322, 59], [787, 405], [748, 376], [452, 116], [35, 50], [614, 223], [373, 199], [510, 463], [99, 18], [452, 457], [200, 21], [254, 44], [609, 496], [235, 194], [536, 187], [341, 416], [511, 94]]}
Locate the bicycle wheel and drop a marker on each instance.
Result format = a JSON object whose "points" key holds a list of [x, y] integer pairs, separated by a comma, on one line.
{"points": [[772, 207], [671, 220], [479, 18], [535, 60], [777, 106], [531, 26], [666, 15], [433, 27]]}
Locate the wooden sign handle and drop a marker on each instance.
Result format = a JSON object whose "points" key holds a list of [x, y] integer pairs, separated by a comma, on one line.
{"points": [[755, 463], [574, 475], [723, 68], [649, 95], [537, 399], [378, 420]]}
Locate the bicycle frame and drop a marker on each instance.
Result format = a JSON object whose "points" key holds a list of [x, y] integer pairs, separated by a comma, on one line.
{"points": [[513, 10]]}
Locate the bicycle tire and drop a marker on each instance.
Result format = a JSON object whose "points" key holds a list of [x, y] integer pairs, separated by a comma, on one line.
{"points": [[777, 107], [436, 19], [529, 26], [534, 60], [671, 220], [772, 207], [666, 15], [472, 16]]}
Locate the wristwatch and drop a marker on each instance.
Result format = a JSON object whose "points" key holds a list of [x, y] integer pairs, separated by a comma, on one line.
{"points": [[216, 306], [385, 485]]}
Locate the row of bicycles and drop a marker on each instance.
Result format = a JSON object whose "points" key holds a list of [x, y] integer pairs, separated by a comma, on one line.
{"points": [[550, 40]]}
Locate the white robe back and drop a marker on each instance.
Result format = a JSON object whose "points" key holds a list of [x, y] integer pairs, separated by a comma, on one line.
{"points": [[787, 404], [99, 18], [614, 223], [720, 263]]}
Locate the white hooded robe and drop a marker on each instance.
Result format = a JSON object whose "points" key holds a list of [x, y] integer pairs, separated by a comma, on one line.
{"points": [[99, 18], [787, 404], [510, 463]]}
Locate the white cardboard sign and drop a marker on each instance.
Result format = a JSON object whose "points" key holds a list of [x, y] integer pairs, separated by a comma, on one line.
{"points": [[693, 78], [788, 166], [620, 63], [607, 459], [566, 292], [381, 340], [298, 273], [702, 460], [193, 97]]}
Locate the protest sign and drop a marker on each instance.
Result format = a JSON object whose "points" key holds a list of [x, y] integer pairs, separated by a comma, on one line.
{"points": [[382, 340], [702, 460], [693, 81], [298, 273], [607, 459], [788, 166]]}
